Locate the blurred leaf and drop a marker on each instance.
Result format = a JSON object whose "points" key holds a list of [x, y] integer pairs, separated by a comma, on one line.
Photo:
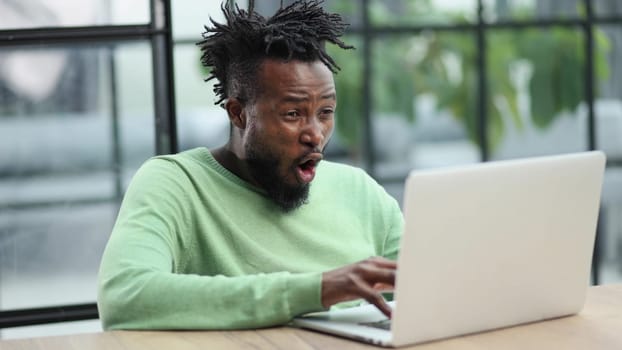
{"points": [[396, 94], [349, 85], [556, 84], [541, 86], [602, 48]]}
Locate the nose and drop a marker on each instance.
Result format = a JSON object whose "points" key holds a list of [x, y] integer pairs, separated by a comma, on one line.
{"points": [[312, 133]]}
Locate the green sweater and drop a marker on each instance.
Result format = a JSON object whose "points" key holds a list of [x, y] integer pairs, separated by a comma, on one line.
{"points": [[196, 247]]}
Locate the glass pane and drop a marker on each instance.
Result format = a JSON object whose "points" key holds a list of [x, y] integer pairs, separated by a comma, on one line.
{"points": [[346, 142], [70, 13], [536, 86], [424, 98], [503, 10], [608, 107], [608, 113], [607, 8], [189, 17], [408, 12], [200, 123], [348, 9], [65, 163]]}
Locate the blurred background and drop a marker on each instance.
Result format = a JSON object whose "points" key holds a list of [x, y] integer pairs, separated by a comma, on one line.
{"points": [[90, 89]]}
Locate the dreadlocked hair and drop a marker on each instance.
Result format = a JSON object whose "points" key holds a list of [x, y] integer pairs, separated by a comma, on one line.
{"points": [[235, 49]]}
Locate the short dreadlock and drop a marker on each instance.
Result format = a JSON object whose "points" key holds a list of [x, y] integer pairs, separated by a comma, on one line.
{"points": [[235, 50]]}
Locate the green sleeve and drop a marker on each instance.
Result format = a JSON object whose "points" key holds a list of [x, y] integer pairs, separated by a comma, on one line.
{"points": [[394, 233], [138, 286], [392, 240]]}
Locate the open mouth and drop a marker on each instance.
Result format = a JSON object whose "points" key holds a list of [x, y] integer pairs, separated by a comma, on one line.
{"points": [[306, 168]]}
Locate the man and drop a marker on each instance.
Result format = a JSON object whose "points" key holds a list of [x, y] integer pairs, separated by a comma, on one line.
{"points": [[262, 229]]}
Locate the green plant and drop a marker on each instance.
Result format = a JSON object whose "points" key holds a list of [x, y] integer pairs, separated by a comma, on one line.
{"points": [[444, 64]]}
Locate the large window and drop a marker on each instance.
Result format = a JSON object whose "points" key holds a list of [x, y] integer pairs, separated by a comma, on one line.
{"points": [[451, 82], [88, 92], [79, 81]]}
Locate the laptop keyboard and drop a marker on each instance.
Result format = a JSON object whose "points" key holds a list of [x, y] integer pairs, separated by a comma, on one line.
{"points": [[383, 324]]}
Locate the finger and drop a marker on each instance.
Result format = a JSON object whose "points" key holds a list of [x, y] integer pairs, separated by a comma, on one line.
{"points": [[376, 275], [373, 297], [383, 262], [383, 287]]}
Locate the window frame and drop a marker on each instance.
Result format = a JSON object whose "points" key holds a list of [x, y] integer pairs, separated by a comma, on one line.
{"points": [[159, 32]]}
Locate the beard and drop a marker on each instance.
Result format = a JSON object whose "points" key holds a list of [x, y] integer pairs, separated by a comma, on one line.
{"points": [[264, 168]]}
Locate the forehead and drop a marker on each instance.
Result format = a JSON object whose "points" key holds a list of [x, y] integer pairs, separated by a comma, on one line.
{"points": [[278, 77]]}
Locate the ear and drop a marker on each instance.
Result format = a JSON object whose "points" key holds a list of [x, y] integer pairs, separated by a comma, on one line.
{"points": [[236, 113]]}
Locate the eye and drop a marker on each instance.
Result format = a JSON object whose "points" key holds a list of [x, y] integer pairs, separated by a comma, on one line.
{"points": [[327, 113], [293, 114]]}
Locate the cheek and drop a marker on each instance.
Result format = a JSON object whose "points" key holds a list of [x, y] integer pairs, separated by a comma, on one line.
{"points": [[328, 130], [286, 135]]}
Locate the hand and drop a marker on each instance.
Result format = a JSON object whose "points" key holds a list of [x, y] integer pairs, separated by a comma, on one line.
{"points": [[364, 279]]}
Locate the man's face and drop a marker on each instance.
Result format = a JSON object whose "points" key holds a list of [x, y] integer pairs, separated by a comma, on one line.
{"points": [[288, 127]]}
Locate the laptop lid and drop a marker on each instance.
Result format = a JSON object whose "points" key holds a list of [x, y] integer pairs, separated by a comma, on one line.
{"points": [[486, 246], [496, 244]]}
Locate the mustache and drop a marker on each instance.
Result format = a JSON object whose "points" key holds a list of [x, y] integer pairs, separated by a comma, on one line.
{"points": [[315, 150]]}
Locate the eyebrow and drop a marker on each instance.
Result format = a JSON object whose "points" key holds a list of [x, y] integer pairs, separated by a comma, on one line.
{"points": [[295, 99], [329, 96]]}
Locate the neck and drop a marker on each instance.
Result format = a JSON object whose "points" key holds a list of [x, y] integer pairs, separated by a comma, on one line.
{"points": [[230, 160]]}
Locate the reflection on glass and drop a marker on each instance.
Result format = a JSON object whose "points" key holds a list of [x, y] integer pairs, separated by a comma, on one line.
{"points": [[608, 113], [536, 88], [346, 143], [607, 8], [608, 102], [65, 162], [424, 93], [348, 9], [71, 13], [200, 123], [407, 12], [504, 10], [189, 17]]}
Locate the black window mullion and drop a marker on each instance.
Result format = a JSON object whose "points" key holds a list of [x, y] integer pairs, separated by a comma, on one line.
{"points": [[35, 316], [368, 144], [163, 78], [588, 29], [117, 155], [482, 84], [14, 37]]}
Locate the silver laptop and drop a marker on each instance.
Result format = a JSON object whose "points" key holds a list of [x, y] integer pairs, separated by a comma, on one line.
{"points": [[485, 246]]}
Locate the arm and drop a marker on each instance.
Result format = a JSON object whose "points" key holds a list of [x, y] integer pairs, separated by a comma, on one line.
{"points": [[367, 279], [138, 286], [141, 299]]}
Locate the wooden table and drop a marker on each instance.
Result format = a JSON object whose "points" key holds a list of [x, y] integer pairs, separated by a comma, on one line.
{"points": [[598, 326]]}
